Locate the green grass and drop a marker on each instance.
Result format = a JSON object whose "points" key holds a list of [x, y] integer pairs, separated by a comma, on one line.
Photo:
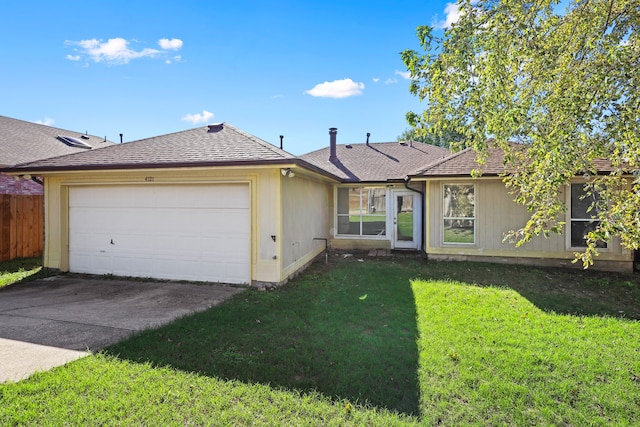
{"points": [[21, 269], [370, 343]]}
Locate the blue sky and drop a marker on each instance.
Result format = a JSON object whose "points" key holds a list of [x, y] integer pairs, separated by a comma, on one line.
{"points": [[270, 68]]}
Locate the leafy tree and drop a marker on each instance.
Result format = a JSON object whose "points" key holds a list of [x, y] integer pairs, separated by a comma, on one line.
{"points": [[420, 134], [563, 83]]}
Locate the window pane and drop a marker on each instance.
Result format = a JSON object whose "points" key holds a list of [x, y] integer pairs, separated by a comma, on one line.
{"points": [[344, 225], [374, 209], [349, 225], [579, 230], [374, 201], [374, 226], [579, 205], [459, 230], [354, 201], [343, 200], [459, 201]]}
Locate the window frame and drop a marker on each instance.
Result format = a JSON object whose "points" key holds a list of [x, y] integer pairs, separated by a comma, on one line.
{"points": [[444, 218], [571, 220], [362, 212]]}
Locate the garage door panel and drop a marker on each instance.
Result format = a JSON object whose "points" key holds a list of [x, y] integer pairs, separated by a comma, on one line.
{"points": [[228, 196], [191, 233]]}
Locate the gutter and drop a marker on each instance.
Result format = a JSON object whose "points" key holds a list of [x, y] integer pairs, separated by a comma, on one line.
{"points": [[25, 169]]}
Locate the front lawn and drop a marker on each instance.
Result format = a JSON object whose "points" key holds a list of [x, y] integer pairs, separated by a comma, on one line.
{"points": [[397, 341], [20, 269]]}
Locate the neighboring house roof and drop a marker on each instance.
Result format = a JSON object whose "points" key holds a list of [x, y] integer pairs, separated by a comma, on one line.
{"points": [[212, 145], [376, 162], [22, 141], [464, 162]]}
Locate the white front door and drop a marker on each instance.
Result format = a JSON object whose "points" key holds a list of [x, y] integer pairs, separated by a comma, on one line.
{"points": [[407, 219]]}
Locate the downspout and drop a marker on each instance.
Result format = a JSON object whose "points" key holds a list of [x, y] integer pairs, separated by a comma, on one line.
{"points": [[424, 211]]}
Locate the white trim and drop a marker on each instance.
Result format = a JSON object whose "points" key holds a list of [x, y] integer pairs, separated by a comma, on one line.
{"points": [[442, 218], [336, 215], [417, 219]]}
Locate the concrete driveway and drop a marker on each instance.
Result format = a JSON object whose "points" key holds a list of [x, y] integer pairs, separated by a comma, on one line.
{"points": [[49, 322]]}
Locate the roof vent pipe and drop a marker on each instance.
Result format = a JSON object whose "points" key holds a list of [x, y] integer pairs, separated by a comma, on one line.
{"points": [[120, 138], [368, 135], [332, 144], [281, 138]]}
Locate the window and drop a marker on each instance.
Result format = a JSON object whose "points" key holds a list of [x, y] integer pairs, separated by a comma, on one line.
{"points": [[362, 211], [73, 142], [583, 216], [459, 208]]}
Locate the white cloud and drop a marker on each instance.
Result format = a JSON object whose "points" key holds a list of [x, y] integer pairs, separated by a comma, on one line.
{"points": [[118, 51], [452, 12], [176, 58], [336, 89], [48, 121], [404, 74], [277, 95], [198, 118], [113, 51], [390, 81], [173, 44], [375, 79]]}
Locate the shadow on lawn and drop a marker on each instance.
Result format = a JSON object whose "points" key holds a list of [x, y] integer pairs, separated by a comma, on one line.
{"points": [[349, 333], [558, 290]]}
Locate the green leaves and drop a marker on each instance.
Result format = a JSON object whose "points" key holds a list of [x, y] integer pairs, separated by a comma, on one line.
{"points": [[564, 84]]}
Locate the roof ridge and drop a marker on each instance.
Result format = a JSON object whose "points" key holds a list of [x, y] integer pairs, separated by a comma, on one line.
{"points": [[260, 141], [403, 143]]}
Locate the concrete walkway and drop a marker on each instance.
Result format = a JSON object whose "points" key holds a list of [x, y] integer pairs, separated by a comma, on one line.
{"points": [[49, 322]]}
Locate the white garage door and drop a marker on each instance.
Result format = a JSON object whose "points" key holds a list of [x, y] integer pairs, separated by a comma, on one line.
{"points": [[183, 232]]}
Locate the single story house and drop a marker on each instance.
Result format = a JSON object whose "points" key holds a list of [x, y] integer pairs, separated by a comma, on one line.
{"points": [[217, 204], [22, 142]]}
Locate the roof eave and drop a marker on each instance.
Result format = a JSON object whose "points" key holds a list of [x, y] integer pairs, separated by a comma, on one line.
{"points": [[26, 169]]}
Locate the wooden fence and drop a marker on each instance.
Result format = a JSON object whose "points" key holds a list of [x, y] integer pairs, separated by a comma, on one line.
{"points": [[21, 226]]}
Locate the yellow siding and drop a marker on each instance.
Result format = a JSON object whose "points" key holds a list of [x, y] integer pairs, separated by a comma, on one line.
{"points": [[304, 217], [497, 214], [265, 208]]}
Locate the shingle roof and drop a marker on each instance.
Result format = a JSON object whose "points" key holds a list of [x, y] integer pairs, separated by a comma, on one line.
{"points": [[376, 162], [22, 141], [207, 145], [463, 162]]}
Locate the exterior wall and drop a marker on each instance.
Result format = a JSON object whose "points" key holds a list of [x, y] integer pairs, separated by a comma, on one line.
{"points": [[304, 218], [496, 214], [25, 187], [264, 185]]}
